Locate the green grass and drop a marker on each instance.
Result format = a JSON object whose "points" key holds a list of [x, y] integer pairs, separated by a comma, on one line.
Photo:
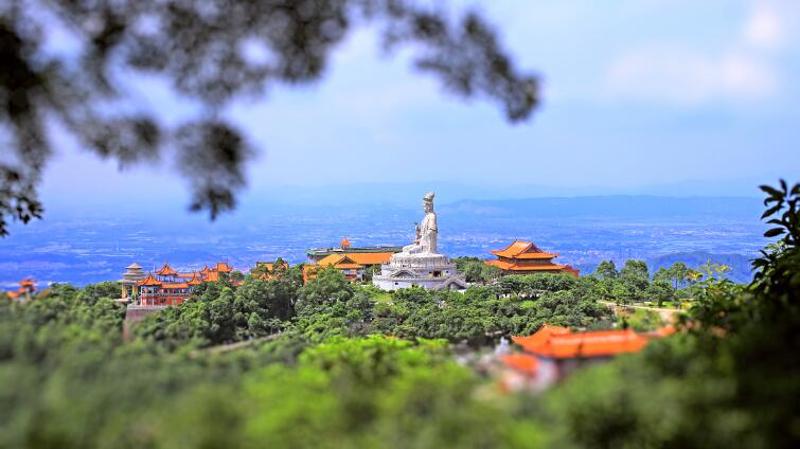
{"points": [[383, 297]]}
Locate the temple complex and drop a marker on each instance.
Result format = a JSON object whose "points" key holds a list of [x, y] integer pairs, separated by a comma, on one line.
{"points": [[353, 262], [419, 264], [523, 257], [167, 286], [27, 287], [378, 252]]}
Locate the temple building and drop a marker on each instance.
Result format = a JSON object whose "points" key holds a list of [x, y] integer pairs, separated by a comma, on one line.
{"points": [[554, 352], [167, 286], [268, 271], [132, 276], [523, 257], [354, 263], [317, 254], [220, 271], [27, 287]]}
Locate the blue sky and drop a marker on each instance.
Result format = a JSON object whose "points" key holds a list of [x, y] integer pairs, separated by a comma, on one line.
{"points": [[656, 96]]}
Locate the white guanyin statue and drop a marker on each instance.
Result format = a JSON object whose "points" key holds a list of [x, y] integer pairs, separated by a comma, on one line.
{"points": [[420, 264], [427, 230]]}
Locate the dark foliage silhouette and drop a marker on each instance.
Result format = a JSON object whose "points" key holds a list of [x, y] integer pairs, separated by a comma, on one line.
{"points": [[197, 47]]}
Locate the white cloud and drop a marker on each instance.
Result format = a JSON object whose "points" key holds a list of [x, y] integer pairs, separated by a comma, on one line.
{"points": [[764, 28], [682, 76], [745, 70]]}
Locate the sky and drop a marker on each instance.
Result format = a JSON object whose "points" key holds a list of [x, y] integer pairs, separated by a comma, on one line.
{"points": [[677, 97]]}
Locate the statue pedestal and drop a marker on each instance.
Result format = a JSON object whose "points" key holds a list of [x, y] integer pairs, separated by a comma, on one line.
{"points": [[427, 270]]}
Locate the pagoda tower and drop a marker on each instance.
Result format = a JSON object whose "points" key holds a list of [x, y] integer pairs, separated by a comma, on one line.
{"points": [[133, 274]]}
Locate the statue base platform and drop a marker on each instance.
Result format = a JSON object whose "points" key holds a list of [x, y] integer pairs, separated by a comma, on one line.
{"points": [[427, 270]]}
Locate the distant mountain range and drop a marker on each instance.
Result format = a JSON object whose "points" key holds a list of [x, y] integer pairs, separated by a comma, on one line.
{"points": [[617, 207]]}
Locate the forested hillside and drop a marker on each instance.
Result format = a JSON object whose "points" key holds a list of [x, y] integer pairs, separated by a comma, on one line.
{"points": [[332, 364]]}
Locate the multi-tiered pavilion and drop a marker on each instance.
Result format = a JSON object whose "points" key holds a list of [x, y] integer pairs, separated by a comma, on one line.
{"points": [[523, 257]]}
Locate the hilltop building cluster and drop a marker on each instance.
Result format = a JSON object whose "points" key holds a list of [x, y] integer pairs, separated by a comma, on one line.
{"points": [[27, 287], [355, 263], [167, 287], [389, 268]]}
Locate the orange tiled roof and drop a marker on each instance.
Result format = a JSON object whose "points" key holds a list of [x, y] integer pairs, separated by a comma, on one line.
{"points": [[212, 276], [195, 280], [166, 270], [345, 244], [344, 261], [349, 266], [370, 258], [572, 270], [223, 267], [330, 260], [513, 266], [541, 336], [524, 363], [585, 344], [520, 249], [150, 281]]}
